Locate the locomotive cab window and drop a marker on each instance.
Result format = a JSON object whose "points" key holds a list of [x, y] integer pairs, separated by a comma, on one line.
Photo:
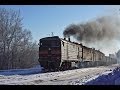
{"points": [[45, 43], [54, 43]]}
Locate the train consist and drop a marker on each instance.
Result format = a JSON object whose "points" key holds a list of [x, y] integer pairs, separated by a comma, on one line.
{"points": [[61, 54]]}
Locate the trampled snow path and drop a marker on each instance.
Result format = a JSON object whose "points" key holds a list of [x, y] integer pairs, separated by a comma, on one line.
{"points": [[70, 77]]}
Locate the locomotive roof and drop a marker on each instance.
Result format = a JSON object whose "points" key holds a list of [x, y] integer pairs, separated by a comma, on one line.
{"points": [[70, 41], [57, 37], [53, 37], [82, 45]]}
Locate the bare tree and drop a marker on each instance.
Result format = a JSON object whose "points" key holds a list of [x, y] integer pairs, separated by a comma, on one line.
{"points": [[10, 23], [15, 42]]}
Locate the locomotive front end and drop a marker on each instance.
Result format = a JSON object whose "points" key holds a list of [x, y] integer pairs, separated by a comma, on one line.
{"points": [[50, 53]]}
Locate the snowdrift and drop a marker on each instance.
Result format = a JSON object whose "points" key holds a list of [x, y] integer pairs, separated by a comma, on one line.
{"points": [[110, 78]]}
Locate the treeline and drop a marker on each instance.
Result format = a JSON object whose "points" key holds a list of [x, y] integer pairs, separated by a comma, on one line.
{"points": [[16, 47]]}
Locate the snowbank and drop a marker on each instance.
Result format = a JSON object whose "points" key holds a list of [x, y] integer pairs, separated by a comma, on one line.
{"points": [[111, 77]]}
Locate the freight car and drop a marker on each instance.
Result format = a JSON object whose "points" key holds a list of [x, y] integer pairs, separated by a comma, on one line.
{"points": [[61, 54]]}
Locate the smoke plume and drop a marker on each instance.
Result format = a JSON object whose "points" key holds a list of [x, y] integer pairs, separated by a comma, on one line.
{"points": [[100, 33]]}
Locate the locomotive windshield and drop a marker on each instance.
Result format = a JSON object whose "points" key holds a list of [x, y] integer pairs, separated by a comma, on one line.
{"points": [[49, 43]]}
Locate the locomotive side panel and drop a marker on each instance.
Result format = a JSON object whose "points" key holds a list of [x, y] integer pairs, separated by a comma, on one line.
{"points": [[99, 55], [99, 58], [96, 56], [74, 52], [87, 54], [70, 51], [63, 50]]}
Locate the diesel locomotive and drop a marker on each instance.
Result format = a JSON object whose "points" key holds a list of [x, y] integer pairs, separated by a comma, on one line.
{"points": [[62, 54]]}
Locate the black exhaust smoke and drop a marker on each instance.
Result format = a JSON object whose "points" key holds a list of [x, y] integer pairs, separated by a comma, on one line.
{"points": [[104, 30]]}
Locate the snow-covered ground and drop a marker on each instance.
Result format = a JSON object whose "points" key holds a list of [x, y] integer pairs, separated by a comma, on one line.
{"points": [[70, 77], [35, 70]]}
